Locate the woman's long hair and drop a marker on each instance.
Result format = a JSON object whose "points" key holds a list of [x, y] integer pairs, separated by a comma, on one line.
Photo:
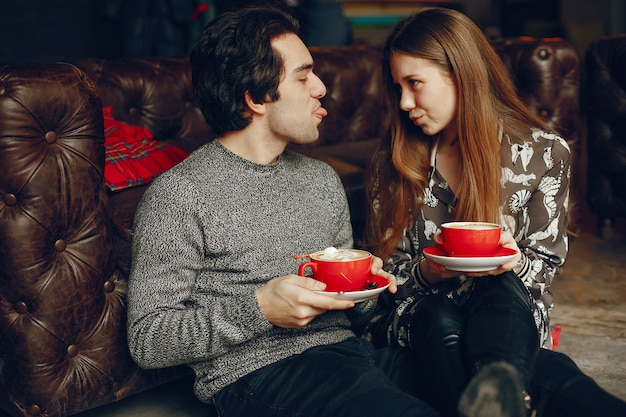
{"points": [[486, 102]]}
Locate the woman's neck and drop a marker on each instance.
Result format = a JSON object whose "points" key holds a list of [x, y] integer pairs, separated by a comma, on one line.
{"points": [[447, 160], [448, 138]]}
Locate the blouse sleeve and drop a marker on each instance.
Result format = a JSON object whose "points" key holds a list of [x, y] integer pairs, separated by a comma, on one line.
{"points": [[404, 264], [541, 230]]}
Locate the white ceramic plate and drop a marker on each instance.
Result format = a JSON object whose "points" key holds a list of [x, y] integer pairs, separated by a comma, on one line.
{"points": [[469, 264], [362, 295]]}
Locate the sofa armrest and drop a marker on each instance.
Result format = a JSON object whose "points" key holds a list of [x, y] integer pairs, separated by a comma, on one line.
{"points": [[62, 302]]}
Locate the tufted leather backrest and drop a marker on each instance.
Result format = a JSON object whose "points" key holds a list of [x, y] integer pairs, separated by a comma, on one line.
{"points": [[605, 93], [62, 303], [155, 93], [547, 76], [353, 78]]}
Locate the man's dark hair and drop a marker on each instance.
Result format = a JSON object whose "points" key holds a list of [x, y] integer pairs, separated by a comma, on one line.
{"points": [[234, 55]]}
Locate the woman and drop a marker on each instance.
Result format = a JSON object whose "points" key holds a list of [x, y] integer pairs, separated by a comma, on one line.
{"points": [[463, 146]]}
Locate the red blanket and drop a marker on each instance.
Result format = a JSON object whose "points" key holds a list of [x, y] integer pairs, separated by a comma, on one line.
{"points": [[133, 157]]}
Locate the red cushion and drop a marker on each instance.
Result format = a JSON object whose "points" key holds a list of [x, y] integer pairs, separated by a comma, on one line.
{"points": [[133, 157]]}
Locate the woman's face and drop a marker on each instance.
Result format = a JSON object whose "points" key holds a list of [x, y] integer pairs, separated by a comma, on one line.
{"points": [[427, 93]]}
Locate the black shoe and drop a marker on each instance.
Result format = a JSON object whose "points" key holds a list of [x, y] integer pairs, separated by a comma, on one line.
{"points": [[495, 391]]}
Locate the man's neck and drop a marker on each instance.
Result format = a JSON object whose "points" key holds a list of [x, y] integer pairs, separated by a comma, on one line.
{"points": [[253, 148]]}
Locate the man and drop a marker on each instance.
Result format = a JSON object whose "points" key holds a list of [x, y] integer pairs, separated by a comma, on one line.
{"points": [[212, 282]]}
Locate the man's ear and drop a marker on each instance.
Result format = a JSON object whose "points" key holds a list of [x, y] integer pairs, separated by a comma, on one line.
{"points": [[254, 107]]}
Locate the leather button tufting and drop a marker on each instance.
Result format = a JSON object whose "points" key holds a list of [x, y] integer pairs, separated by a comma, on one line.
{"points": [[72, 351], [544, 113], [21, 307], [109, 286], [51, 137], [544, 53], [34, 410], [59, 245], [10, 199]]}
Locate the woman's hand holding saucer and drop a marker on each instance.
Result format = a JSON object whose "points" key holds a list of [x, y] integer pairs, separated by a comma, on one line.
{"points": [[506, 241]]}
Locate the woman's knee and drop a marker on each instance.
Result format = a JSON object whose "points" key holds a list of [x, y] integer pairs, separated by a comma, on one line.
{"points": [[505, 289], [436, 322]]}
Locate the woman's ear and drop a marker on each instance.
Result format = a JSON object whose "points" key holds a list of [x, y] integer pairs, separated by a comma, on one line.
{"points": [[258, 108]]}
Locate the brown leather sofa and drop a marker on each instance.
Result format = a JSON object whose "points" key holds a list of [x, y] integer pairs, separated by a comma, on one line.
{"points": [[65, 239], [605, 92]]}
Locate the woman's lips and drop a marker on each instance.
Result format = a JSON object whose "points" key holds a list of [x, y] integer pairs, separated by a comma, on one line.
{"points": [[416, 120]]}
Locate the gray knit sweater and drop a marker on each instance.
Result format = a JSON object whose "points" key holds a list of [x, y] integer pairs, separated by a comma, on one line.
{"points": [[208, 233]]}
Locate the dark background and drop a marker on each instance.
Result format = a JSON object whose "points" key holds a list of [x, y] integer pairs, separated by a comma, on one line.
{"points": [[55, 30], [67, 30]]}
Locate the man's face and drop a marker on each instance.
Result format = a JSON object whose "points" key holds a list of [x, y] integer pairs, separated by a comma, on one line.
{"points": [[296, 115]]}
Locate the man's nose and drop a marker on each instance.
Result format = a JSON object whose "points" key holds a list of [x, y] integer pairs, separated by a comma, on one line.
{"points": [[319, 90]]}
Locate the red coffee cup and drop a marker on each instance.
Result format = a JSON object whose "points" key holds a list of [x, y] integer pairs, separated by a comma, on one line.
{"points": [[341, 270], [471, 239]]}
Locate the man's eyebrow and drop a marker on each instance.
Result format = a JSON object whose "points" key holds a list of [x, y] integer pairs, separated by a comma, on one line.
{"points": [[302, 68]]}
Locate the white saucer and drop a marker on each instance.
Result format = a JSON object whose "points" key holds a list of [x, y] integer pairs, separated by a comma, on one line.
{"points": [[361, 295], [469, 264]]}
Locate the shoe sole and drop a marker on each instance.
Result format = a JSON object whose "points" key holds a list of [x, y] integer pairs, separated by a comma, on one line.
{"points": [[495, 391]]}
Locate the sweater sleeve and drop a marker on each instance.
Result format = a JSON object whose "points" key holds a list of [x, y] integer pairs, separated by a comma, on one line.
{"points": [[169, 321]]}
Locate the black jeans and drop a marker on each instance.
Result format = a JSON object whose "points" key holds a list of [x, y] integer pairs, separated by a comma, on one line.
{"points": [[560, 389], [451, 342], [346, 379]]}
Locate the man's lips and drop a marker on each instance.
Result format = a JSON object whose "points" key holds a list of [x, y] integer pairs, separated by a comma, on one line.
{"points": [[320, 112]]}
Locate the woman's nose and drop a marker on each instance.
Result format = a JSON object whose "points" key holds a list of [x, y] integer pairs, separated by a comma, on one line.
{"points": [[406, 101]]}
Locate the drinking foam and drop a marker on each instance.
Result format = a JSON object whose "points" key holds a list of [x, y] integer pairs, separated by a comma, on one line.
{"points": [[334, 254]]}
